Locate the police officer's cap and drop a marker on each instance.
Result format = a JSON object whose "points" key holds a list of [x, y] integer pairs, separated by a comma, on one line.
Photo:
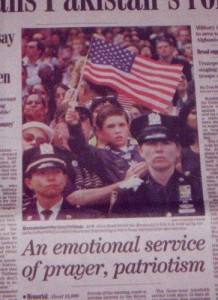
{"points": [[155, 127], [43, 157]]}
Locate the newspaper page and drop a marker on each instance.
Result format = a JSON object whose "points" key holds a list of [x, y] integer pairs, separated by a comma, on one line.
{"points": [[108, 149]]}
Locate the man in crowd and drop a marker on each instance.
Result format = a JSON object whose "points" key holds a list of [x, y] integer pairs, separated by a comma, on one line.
{"points": [[45, 173], [184, 93], [183, 37], [165, 47], [164, 190], [99, 102], [32, 61], [95, 107], [112, 125], [62, 71]]}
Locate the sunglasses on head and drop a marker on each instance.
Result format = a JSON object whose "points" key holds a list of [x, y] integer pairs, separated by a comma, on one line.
{"points": [[29, 137], [39, 92], [31, 46], [112, 99], [109, 98], [37, 102]]}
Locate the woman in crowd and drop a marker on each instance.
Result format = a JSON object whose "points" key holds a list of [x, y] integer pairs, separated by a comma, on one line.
{"points": [[190, 155], [35, 108]]}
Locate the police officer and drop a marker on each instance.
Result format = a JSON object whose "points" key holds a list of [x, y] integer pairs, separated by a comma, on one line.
{"points": [[164, 190], [45, 173]]}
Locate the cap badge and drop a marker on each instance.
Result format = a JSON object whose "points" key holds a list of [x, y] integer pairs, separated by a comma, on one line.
{"points": [[74, 163], [154, 119], [68, 217], [46, 149]]}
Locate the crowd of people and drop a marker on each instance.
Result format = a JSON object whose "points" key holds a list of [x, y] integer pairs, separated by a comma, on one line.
{"points": [[86, 153]]}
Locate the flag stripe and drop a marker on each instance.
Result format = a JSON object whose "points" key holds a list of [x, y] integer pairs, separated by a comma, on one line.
{"points": [[156, 65], [163, 78], [144, 102], [103, 74], [143, 80], [107, 75], [121, 80], [146, 98], [144, 77], [125, 101]]}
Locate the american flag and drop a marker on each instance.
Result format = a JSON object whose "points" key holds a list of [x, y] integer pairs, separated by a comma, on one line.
{"points": [[143, 80]]}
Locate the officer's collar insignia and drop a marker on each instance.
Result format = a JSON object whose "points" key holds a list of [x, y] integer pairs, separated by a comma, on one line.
{"points": [[181, 179], [154, 119], [187, 173], [168, 214], [74, 163], [68, 217], [46, 149]]}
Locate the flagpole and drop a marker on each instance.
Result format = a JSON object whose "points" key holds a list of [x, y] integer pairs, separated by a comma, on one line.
{"points": [[73, 103]]}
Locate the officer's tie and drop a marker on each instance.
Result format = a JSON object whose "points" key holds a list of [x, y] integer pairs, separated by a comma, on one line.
{"points": [[47, 213]]}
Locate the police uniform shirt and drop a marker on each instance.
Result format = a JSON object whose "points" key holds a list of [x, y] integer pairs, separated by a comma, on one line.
{"points": [[54, 210], [152, 199], [191, 162], [66, 211]]}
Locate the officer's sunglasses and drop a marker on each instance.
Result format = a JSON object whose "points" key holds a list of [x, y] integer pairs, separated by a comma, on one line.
{"points": [[29, 137]]}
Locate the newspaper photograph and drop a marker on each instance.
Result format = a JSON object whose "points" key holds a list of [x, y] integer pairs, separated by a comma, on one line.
{"points": [[108, 150]]}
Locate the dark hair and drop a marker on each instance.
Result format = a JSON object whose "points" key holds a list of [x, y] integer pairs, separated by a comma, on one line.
{"points": [[101, 90], [187, 133], [185, 111], [60, 85], [40, 45], [109, 111], [168, 38], [66, 47], [33, 91], [139, 107], [125, 47]]}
